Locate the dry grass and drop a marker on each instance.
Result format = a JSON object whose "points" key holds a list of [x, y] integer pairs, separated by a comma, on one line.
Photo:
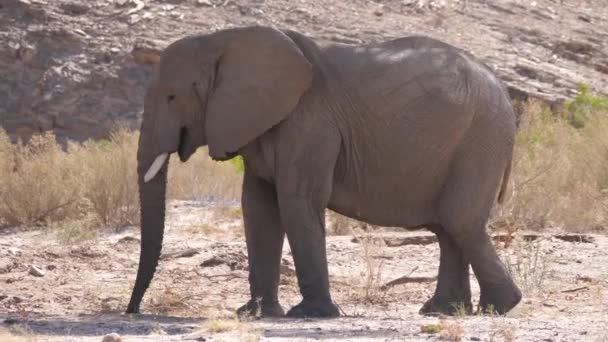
{"points": [[559, 178], [450, 331], [338, 224], [242, 328], [202, 178], [94, 184], [108, 178], [17, 333], [447, 330], [371, 289], [503, 332], [529, 265], [38, 181]]}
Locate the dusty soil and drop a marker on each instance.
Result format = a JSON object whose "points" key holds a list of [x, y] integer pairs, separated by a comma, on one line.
{"points": [[78, 67], [202, 279]]}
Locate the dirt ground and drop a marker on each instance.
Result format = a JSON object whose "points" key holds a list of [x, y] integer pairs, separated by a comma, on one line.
{"points": [[202, 279]]}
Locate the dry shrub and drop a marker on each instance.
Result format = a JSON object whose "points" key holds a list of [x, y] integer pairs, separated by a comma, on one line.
{"points": [[339, 224], [202, 178], [450, 331], [94, 184], [559, 176], [529, 265], [109, 177], [37, 181], [169, 302], [243, 328], [503, 332], [372, 291]]}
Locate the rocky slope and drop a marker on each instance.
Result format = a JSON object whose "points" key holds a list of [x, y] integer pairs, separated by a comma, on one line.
{"points": [[79, 67]]}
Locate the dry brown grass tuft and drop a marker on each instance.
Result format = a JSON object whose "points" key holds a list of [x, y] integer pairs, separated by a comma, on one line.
{"points": [[450, 331], [559, 177], [202, 178], [529, 265], [338, 224], [169, 302], [371, 289], [109, 178], [503, 332], [243, 328]]}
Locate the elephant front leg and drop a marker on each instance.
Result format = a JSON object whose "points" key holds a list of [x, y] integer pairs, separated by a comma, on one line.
{"points": [[304, 220], [264, 235]]}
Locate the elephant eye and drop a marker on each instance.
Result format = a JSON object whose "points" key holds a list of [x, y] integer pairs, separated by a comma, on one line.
{"points": [[170, 98]]}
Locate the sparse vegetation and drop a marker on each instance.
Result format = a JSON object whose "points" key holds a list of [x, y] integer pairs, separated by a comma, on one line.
{"points": [[558, 156], [85, 186], [246, 332], [529, 265], [559, 178], [430, 328], [372, 291], [338, 224], [449, 331], [501, 331], [202, 178]]}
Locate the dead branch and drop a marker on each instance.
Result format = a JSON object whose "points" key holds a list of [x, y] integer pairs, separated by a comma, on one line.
{"points": [[182, 254], [576, 289]]}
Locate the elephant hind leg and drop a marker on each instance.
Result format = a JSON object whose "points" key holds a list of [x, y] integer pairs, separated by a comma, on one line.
{"points": [[464, 209], [453, 292]]}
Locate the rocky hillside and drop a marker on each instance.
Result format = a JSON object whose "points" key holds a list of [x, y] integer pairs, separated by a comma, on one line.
{"points": [[78, 67]]}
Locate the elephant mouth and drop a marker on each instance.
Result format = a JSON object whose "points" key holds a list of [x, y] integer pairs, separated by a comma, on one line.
{"points": [[185, 147]]}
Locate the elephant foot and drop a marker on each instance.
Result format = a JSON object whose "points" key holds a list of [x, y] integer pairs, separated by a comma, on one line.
{"points": [[436, 307], [261, 308], [499, 299], [308, 309]]}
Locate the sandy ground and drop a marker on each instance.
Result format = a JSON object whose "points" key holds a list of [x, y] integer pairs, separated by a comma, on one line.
{"points": [[202, 279]]}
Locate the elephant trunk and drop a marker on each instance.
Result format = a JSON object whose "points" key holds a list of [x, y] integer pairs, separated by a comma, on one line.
{"points": [[152, 200]]}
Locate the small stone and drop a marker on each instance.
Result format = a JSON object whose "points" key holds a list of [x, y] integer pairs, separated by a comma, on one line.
{"points": [[204, 3], [36, 272], [14, 251], [113, 337]]}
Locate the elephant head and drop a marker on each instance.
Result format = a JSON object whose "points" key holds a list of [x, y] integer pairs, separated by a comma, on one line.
{"points": [[222, 90]]}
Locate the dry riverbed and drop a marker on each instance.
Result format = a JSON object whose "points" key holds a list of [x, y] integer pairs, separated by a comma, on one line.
{"points": [[53, 291]]}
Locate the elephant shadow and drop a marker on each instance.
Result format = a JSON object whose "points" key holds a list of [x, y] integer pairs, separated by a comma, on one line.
{"points": [[103, 324], [142, 325]]}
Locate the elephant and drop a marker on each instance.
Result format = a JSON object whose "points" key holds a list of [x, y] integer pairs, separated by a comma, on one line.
{"points": [[410, 132]]}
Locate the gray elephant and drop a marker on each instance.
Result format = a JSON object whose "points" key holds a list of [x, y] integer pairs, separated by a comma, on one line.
{"points": [[411, 133]]}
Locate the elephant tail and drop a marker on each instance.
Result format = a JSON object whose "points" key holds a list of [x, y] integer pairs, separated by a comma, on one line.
{"points": [[505, 182]]}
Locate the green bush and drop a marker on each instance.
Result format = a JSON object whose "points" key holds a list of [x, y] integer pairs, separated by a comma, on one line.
{"points": [[238, 164], [585, 105]]}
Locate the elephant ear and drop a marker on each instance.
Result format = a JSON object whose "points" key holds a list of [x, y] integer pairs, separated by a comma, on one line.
{"points": [[260, 78]]}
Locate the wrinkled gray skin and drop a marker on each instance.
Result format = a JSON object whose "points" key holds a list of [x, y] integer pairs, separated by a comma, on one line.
{"points": [[410, 133]]}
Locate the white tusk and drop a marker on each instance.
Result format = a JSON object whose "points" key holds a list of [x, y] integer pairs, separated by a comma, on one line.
{"points": [[155, 167]]}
